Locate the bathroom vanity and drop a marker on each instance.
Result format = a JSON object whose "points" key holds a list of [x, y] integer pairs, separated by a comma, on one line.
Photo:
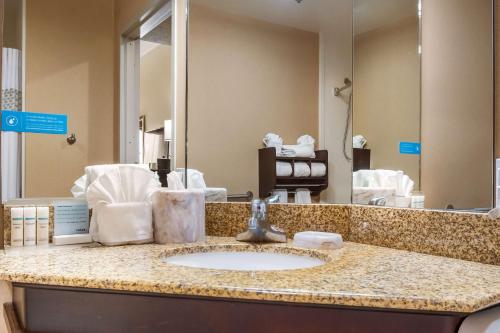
{"points": [[360, 288]]}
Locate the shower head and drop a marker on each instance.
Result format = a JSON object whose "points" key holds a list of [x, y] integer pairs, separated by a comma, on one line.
{"points": [[347, 84]]}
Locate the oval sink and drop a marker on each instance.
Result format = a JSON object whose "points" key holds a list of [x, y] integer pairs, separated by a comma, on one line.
{"points": [[245, 260]]}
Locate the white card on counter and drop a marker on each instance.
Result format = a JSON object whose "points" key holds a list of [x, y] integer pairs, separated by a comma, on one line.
{"points": [[71, 217]]}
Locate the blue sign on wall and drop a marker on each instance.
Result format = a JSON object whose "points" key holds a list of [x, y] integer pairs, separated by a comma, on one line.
{"points": [[411, 148], [45, 123]]}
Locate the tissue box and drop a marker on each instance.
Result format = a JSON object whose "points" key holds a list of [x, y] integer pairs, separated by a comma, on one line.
{"points": [[179, 216], [124, 223]]}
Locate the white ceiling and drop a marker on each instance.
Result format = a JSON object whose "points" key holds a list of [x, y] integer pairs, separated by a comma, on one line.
{"points": [[308, 15], [372, 14], [315, 15]]}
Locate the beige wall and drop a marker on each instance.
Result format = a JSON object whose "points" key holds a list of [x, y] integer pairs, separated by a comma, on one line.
{"points": [[497, 82], [13, 15], [457, 105], [387, 94], [69, 70], [246, 78], [155, 87]]}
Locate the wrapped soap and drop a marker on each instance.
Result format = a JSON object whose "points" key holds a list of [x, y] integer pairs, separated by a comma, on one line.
{"points": [[318, 240], [179, 216]]}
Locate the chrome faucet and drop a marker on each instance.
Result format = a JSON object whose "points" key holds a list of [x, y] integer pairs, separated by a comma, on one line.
{"points": [[259, 229]]}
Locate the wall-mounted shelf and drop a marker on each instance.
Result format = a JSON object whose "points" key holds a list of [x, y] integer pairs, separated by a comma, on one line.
{"points": [[269, 181]]}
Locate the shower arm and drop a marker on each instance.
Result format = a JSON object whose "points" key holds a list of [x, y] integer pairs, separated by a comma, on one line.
{"points": [[347, 84]]}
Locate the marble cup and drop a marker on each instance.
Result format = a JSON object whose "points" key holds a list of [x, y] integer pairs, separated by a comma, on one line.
{"points": [[179, 216]]}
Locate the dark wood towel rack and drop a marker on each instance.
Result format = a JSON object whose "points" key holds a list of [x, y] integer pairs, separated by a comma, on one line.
{"points": [[269, 181]]}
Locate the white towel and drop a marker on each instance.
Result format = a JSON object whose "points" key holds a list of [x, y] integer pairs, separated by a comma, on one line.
{"points": [[305, 140], [283, 169], [302, 150], [301, 169], [302, 196], [273, 140], [121, 199], [318, 169]]}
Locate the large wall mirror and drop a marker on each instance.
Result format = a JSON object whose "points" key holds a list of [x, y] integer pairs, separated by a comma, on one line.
{"points": [[386, 102], [108, 65]]}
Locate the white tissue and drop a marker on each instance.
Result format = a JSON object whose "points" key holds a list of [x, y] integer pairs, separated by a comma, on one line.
{"points": [[174, 181], [92, 172], [395, 186], [116, 196]]}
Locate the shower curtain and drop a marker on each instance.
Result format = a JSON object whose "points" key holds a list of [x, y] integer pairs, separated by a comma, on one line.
{"points": [[11, 99]]}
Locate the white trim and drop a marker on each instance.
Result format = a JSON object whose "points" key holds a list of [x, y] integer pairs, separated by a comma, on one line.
{"points": [[321, 110], [122, 100], [129, 102], [161, 15], [23, 102]]}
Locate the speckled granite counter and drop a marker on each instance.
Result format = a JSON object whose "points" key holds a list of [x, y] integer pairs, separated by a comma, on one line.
{"points": [[356, 275]]}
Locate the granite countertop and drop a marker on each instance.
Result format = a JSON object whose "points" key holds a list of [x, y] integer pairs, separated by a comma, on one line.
{"points": [[356, 275]]}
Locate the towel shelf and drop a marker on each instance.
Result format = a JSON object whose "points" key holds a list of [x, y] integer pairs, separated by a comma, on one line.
{"points": [[269, 181]]}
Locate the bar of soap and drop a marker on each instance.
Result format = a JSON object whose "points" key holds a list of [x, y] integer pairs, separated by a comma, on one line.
{"points": [[72, 239], [318, 240]]}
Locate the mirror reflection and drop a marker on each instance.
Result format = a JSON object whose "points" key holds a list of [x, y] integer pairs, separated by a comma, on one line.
{"points": [[381, 102], [104, 65], [287, 99]]}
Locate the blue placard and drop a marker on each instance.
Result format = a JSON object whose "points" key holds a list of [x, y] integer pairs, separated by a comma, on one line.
{"points": [[45, 123], [410, 148]]}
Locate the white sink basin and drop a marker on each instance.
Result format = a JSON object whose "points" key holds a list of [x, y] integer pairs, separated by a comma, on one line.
{"points": [[244, 261]]}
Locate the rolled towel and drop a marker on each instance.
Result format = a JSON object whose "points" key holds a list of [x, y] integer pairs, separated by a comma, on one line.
{"points": [[283, 169], [318, 169], [302, 150], [301, 169]]}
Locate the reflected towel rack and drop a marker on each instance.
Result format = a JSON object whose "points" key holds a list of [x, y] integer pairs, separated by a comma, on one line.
{"points": [[269, 181]]}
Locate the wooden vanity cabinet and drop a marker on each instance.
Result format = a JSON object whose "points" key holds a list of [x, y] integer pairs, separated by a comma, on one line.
{"points": [[60, 309]]}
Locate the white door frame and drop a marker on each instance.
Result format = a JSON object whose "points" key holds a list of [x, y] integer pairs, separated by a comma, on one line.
{"points": [[130, 86], [129, 101]]}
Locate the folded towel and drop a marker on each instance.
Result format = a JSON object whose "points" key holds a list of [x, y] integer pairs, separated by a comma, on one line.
{"points": [[359, 142], [215, 194], [302, 196], [318, 169], [306, 140], [302, 150], [121, 198], [283, 169], [273, 140], [301, 169]]}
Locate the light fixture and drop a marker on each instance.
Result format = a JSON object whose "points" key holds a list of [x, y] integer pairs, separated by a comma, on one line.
{"points": [[167, 136]]}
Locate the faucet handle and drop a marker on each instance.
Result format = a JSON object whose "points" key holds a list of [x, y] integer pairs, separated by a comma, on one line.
{"points": [[259, 206], [273, 199]]}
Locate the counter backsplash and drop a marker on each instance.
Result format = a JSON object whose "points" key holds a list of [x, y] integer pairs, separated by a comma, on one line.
{"points": [[467, 236]]}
